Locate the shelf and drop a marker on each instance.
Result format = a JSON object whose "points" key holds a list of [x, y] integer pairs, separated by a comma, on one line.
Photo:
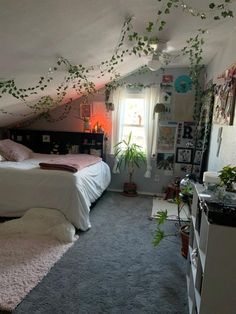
{"points": [[210, 290], [91, 145], [197, 300], [190, 304], [191, 296], [193, 268], [202, 257], [197, 237]]}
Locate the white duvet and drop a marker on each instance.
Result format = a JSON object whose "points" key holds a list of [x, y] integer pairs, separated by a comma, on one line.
{"points": [[23, 185]]}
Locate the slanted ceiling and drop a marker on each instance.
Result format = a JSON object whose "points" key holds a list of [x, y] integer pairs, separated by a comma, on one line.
{"points": [[33, 34]]}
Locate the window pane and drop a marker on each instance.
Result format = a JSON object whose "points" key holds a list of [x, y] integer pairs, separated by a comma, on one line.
{"points": [[134, 120], [137, 135], [134, 111]]}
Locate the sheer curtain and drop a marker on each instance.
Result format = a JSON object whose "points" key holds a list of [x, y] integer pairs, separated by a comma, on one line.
{"points": [[117, 97], [151, 97]]}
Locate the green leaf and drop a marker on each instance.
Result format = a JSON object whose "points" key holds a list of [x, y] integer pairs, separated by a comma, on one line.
{"points": [[159, 235], [161, 217]]}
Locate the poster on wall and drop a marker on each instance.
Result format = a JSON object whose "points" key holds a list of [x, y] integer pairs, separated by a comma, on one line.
{"points": [[85, 110], [186, 134], [166, 137], [165, 161], [166, 97]]}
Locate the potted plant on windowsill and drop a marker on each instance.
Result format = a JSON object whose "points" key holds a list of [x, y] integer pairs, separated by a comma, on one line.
{"points": [[129, 156], [227, 177]]}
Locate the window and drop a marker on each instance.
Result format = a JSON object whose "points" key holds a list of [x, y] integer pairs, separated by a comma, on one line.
{"points": [[133, 119], [135, 112]]}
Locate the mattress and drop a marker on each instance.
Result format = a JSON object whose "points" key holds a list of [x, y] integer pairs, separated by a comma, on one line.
{"points": [[23, 185]]}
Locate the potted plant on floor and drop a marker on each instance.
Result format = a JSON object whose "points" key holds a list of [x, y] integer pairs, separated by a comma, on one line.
{"points": [[183, 227], [129, 156]]}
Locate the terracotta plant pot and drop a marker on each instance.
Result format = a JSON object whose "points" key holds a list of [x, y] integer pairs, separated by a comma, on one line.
{"points": [[184, 232], [130, 189]]}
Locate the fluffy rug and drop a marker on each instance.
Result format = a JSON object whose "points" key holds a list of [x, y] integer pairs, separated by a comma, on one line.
{"points": [[29, 247]]}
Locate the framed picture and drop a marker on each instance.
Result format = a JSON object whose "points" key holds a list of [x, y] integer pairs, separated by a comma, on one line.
{"points": [[85, 111], [165, 161], [197, 157], [46, 138], [167, 78], [183, 155]]}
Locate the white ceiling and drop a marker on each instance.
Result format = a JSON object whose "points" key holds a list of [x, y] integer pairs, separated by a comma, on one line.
{"points": [[34, 33]]}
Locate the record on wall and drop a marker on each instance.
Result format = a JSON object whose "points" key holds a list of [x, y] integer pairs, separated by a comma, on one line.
{"points": [[183, 84]]}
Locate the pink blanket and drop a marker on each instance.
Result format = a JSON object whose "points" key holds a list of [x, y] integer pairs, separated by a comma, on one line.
{"points": [[71, 163]]}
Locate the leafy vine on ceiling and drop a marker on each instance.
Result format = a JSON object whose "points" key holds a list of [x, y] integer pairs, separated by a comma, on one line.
{"points": [[80, 78]]}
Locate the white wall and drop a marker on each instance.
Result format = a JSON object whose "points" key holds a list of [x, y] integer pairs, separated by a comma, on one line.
{"points": [[227, 155]]}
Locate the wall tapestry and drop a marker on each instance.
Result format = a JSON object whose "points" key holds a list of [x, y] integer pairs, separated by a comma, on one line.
{"points": [[224, 103]]}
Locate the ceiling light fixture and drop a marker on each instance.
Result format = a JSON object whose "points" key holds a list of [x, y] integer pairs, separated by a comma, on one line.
{"points": [[158, 47], [154, 65], [153, 44]]}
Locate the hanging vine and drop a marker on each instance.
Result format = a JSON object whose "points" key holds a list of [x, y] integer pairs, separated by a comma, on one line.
{"points": [[78, 77]]}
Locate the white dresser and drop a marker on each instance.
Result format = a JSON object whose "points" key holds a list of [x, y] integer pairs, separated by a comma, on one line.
{"points": [[211, 269]]}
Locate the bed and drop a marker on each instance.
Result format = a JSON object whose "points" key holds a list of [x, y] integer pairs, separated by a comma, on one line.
{"points": [[24, 185]]}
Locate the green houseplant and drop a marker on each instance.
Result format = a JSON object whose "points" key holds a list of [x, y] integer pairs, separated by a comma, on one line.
{"points": [[183, 227], [227, 177], [129, 156]]}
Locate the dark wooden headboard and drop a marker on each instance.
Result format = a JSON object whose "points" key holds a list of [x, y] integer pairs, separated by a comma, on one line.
{"points": [[56, 142]]}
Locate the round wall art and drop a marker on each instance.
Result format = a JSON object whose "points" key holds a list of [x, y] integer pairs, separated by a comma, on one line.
{"points": [[183, 84]]}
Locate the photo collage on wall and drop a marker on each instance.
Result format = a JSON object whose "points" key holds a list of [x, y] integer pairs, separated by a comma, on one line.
{"points": [[166, 146], [187, 157]]}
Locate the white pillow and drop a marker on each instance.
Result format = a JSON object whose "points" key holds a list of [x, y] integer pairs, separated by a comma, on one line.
{"points": [[13, 151], [2, 158]]}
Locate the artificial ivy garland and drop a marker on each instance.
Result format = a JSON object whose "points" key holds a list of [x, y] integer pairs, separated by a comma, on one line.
{"points": [[78, 76]]}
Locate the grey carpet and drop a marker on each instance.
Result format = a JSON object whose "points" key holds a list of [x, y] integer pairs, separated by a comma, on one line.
{"points": [[114, 268]]}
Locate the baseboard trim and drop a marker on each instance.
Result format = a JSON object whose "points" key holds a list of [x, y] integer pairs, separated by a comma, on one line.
{"points": [[139, 192]]}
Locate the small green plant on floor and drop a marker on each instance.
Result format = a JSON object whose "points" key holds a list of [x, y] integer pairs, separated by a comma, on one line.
{"points": [[162, 217], [160, 234]]}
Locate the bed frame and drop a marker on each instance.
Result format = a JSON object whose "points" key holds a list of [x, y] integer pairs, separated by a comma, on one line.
{"points": [[56, 142]]}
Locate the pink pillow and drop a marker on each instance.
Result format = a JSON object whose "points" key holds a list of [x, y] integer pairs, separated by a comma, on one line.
{"points": [[13, 151]]}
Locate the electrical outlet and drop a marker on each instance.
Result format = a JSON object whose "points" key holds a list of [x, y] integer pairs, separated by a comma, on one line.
{"points": [[156, 178]]}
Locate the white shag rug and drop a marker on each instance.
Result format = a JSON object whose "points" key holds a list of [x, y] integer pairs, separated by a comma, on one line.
{"points": [[29, 247], [159, 204]]}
